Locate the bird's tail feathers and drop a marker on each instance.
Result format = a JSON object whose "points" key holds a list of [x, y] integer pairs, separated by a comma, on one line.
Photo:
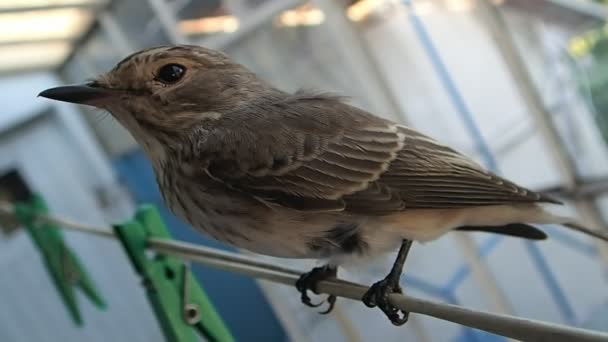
{"points": [[573, 224], [521, 230], [541, 215]]}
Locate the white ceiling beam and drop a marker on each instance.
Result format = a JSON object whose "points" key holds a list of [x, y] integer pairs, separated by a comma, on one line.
{"points": [[27, 8]]}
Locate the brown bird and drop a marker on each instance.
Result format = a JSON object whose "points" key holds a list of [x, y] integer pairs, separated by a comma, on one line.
{"points": [[301, 175]]}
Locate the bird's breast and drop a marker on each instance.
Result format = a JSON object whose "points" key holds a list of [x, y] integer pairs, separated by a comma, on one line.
{"points": [[226, 215], [240, 220]]}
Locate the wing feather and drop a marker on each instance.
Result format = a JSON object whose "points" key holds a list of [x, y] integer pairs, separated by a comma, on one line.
{"points": [[350, 160]]}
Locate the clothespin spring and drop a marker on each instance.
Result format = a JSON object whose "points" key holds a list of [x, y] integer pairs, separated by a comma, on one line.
{"points": [[191, 311]]}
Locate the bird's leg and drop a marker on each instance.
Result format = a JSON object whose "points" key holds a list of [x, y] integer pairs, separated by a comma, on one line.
{"points": [[377, 295], [309, 280]]}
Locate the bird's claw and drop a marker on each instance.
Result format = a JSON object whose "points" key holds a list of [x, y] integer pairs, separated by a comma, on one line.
{"points": [[377, 295], [331, 301], [309, 280]]}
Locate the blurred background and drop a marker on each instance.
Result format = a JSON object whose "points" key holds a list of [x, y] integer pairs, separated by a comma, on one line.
{"points": [[521, 85]]}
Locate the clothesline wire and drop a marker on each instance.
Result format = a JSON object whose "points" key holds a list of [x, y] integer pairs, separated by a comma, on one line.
{"points": [[504, 325]]}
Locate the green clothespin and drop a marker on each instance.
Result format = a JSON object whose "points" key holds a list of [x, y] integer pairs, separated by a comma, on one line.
{"points": [[62, 264], [180, 304]]}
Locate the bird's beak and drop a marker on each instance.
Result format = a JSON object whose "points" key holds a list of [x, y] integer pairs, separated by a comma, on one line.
{"points": [[88, 94]]}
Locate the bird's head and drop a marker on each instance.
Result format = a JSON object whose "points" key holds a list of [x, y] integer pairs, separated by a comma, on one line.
{"points": [[161, 92]]}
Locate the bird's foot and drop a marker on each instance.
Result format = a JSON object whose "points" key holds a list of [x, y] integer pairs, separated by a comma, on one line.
{"points": [[309, 280], [377, 295]]}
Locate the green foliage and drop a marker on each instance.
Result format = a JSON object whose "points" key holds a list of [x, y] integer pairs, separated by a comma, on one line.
{"points": [[590, 50]]}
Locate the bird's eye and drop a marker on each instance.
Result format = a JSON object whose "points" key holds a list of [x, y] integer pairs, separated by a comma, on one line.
{"points": [[171, 73]]}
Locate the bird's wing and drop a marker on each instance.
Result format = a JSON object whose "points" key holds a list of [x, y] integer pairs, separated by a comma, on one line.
{"points": [[428, 175], [323, 155]]}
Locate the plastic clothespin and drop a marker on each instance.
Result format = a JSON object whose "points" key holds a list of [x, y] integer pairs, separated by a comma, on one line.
{"points": [[181, 305], [62, 264]]}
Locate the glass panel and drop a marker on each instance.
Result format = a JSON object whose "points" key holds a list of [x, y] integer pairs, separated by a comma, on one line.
{"points": [[99, 51], [72, 71], [137, 21], [565, 51], [294, 51]]}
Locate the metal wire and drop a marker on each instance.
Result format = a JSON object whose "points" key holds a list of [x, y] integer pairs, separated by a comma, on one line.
{"points": [[504, 325]]}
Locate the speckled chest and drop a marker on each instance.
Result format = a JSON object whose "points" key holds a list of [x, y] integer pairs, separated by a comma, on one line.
{"points": [[240, 220], [209, 206]]}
